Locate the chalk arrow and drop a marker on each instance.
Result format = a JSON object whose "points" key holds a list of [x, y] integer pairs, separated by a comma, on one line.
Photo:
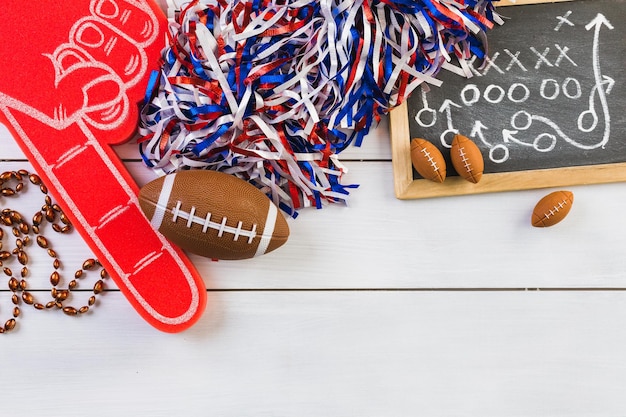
{"points": [[446, 107], [507, 137], [609, 82], [477, 132], [597, 24], [598, 21]]}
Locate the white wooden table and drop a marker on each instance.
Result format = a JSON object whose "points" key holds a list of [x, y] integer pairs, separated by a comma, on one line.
{"points": [[451, 306], [443, 307]]}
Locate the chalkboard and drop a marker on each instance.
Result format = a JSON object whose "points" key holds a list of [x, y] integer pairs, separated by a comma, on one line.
{"points": [[547, 107]]}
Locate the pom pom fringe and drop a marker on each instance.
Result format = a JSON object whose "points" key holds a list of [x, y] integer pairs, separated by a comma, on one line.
{"points": [[271, 91]]}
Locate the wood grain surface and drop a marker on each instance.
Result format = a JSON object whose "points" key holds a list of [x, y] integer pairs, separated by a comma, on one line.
{"points": [[384, 308]]}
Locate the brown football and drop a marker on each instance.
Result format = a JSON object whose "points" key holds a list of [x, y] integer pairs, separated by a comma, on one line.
{"points": [[213, 214], [467, 159], [428, 160], [552, 208]]}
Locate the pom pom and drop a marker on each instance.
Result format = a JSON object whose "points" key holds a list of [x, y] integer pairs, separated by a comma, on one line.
{"points": [[272, 91]]}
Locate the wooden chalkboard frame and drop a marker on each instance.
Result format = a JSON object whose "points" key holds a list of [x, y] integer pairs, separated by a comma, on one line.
{"points": [[406, 187]]}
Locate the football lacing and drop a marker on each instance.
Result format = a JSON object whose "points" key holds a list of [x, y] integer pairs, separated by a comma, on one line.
{"points": [[466, 162], [430, 159], [207, 223], [555, 209]]}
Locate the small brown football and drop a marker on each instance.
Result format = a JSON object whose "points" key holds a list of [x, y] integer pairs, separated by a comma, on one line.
{"points": [[214, 214], [428, 160], [467, 159], [552, 208]]}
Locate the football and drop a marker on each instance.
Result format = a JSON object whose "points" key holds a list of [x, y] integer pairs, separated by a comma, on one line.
{"points": [[467, 159], [214, 214], [552, 208], [428, 160]]}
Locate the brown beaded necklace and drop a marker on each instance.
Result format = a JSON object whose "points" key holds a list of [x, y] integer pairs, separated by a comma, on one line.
{"points": [[12, 183]]}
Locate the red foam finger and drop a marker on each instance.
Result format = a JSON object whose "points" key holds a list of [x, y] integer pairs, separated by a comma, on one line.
{"points": [[107, 44], [130, 17], [65, 104]]}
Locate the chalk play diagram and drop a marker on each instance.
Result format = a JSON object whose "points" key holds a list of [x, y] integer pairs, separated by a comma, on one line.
{"points": [[541, 94]]}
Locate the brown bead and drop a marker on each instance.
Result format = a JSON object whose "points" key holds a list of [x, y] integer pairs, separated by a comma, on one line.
{"points": [[5, 176], [26, 240], [83, 309], [22, 257], [24, 272], [56, 264], [57, 228], [56, 208], [34, 179], [19, 187], [16, 232], [42, 242], [14, 284], [28, 298], [92, 300], [51, 304], [23, 284], [98, 287], [36, 229], [17, 175], [62, 295], [72, 285], [8, 272], [15, 299], [50, 215], [4, 255], [54, 292], [48, 201], [6, 220], [16, 217], [78, 274], [37, 218], [55, 278], [1, 234], [89, 264], [39, 306], [70, 311], [24, 228], [8, 192], [16, 311], [65, 220], [52, 253], [9, 325], [43, 188]]}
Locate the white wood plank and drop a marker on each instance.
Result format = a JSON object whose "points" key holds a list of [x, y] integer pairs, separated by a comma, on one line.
{"points": [[470, 241], [458, 242], [332, 354]]}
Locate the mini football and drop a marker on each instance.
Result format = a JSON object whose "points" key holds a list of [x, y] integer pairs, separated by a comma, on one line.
{"points": [[467, 159], [213, 214], [552, 208], [428, 160]]}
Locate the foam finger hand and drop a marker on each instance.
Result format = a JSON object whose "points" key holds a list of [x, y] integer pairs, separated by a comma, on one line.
{"points": [[107, 45], [133, 17]]}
